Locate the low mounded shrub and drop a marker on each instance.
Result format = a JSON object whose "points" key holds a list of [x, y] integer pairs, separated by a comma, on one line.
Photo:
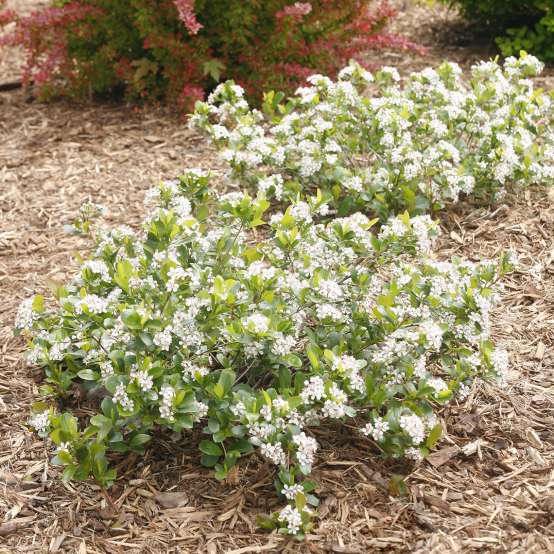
{"points": [[177, 49], [414, 144], [527, 24], [257, 330]]}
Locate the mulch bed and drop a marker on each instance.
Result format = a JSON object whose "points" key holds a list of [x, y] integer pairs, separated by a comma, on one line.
{"points": [[489, 487]]}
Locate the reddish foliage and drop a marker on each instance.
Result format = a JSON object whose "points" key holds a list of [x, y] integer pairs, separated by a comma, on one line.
{"points": [[178, 49]]}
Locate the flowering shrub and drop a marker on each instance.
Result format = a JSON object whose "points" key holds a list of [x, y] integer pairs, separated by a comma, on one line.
{"points": [[177, 49], [413, 145], [257, 330]]}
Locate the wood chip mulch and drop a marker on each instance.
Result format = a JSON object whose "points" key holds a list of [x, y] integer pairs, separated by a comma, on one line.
{"points": [[489, 486]]}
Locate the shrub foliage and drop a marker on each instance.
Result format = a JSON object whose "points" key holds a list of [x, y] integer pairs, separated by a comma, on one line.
{"points": [[177, 49], [255, 321], [413, 145], [203, 319], [527, 24]]}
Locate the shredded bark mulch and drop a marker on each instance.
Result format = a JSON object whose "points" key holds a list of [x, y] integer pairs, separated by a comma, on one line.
{"points": [[489, 486]]}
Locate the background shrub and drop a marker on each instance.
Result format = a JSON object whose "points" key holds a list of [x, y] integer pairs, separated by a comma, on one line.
{"points": [[526, 25], [177, 49]]}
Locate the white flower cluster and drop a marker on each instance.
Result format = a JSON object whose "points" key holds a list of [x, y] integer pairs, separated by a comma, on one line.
{"points": [[414, 427], [292, 518], [40, 421], [262, 334], [26, 315], [377, 429], [414, 144], [166, 407], [121, 396]]}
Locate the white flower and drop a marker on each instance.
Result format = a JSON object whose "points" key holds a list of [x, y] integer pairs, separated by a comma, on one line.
{"points": [[58, 349], [414, 454], [106, 369], [257, 323], [25, 314], [191, 371], [98, 267], [144, 379], [201, 410], [274, 453], [414, 427], [301, 212], [377, 429], [290, 491], [164, 338], [438, 384], [283, 345], [166, 405], [330, 290], [40, 421], [63, 447], [93, 303], [238, 409], [292, 518], [120, 396], [328, 311], [501, 363], [306, 448], [314, 389]]}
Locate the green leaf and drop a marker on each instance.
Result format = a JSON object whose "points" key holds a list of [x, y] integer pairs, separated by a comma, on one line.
{"points": [[68, 424], [243, 446], [293, 360], [69, 472], [131, 319], [213, 68], [213, 425], [434, 435], [146, 338], [210, 448], [220, 472], [219, 391], [220, 436], [313, 356], [397, 486], [38, 303], [88, 375], [285, 378], [227, 380], [208, 461], [144, 66], [266, 522], [139, 439]]}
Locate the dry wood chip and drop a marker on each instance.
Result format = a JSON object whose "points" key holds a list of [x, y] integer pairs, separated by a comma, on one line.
{"points": [[253, 549], [437, 502], [11, 526], [436, 459], [541, 349], [533, 437], [171, 499]]}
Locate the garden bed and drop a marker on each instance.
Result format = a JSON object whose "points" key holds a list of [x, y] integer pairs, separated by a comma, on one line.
{"points": [[497, 496]]}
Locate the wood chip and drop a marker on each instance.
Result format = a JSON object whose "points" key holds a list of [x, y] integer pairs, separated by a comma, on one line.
{"points": [[436, 459], [541, 349], [171, 499]]}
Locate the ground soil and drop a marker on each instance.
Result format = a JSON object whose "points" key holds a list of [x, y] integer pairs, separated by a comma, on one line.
{"points": [[499, 497]]}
